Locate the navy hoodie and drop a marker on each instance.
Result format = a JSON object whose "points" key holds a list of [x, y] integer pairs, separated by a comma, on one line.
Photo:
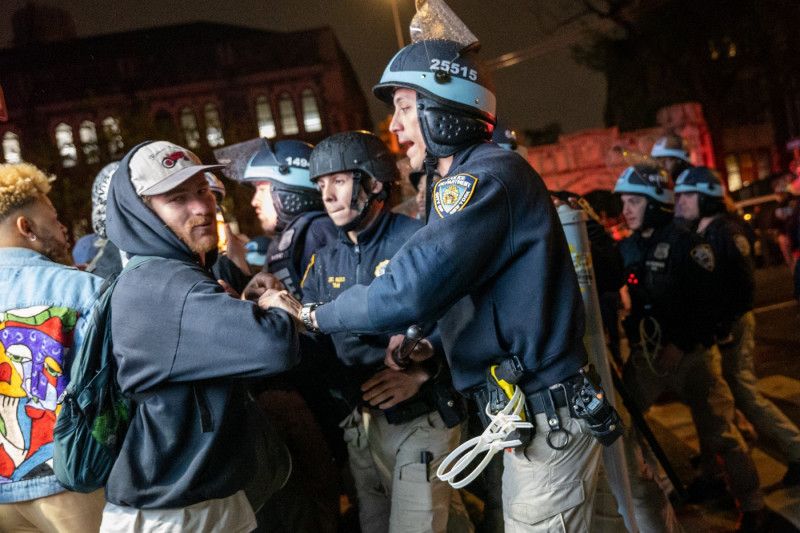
{"points": [[184, 348]]}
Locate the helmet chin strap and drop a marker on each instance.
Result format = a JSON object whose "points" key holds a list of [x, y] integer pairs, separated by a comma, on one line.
{"points": [[431, 162], [358, 183]]}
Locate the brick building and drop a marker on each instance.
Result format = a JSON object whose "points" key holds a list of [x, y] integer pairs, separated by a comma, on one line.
{"points": [[74, 104]]}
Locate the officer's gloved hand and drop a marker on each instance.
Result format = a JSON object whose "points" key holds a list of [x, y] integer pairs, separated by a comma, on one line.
{"points": [[259, 284]]}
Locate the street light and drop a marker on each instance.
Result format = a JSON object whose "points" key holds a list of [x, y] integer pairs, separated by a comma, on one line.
{"points": [[397, 28]]}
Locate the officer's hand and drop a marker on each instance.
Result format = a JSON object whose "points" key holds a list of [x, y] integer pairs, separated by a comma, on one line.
{"points": [[261, 282], [669, 358], [389, 387], [227, 288], [236, 251], [272, 299], [423, 350]]}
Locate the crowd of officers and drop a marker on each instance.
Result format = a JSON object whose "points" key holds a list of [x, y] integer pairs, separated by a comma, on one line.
{"points": [[485, 275]]}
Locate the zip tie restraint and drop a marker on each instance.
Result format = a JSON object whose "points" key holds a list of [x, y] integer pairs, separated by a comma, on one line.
{"points": [[490, 442]]}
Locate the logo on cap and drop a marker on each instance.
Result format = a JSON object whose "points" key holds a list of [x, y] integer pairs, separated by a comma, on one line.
{"points": [[170, 160]]}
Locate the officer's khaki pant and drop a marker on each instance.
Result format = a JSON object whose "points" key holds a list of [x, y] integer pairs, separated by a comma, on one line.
{"points": [[397, 491], [548, 490], [64, 512], [698, 381], [739, 372]]}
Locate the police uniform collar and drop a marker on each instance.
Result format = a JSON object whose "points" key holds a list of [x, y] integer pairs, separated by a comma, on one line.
{"points": [[371, 233]]}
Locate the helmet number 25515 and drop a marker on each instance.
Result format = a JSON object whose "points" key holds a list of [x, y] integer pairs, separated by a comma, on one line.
{"points": [[454, 68]]}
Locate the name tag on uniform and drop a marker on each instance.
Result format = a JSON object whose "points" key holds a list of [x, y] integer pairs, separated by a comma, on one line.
{"points": [[451, 194]]}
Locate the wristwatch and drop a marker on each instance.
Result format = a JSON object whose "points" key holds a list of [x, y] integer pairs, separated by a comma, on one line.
{"points": [[305, 316]]}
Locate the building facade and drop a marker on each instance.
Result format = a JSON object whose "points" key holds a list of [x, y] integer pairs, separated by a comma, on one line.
{"points": [[75, 105]]}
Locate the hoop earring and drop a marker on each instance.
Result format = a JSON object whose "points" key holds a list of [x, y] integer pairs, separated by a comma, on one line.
{"points": [[33, 238]]}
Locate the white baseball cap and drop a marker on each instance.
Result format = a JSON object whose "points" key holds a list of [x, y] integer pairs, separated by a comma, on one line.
{"points": [[160, 166]]}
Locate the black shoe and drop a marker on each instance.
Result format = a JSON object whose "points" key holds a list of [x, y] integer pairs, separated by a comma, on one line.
{"points": [[792, 476], [752, 521], [702, 490]]}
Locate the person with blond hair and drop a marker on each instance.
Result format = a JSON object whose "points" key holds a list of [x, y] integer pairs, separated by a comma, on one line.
{"points": [[44, 303]]}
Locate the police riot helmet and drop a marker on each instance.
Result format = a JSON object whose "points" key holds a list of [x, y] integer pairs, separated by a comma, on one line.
{"points": [[366, 156], [655, 185], [456, 101], [100, 198], [707, 183], [671, 145], [285, 165], [216, 186]]}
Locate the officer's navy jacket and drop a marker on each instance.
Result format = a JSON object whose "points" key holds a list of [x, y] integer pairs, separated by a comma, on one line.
{"points": [[735, 271], [343, 264], [670, 276], [492, 265]]}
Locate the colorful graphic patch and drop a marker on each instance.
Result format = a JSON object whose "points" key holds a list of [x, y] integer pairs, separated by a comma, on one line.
{"points": [[703, 255], [451, 194]]}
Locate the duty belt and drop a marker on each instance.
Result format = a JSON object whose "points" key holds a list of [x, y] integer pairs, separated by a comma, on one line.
{"points": [[547, 401]]}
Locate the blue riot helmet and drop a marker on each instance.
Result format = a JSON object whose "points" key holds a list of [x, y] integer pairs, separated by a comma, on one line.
{"points": [[672, 152], [285, 166], [707, 183], [504, 137], [455, 96], [216, 186], [655, 185], [100, 198], [366, 156]]}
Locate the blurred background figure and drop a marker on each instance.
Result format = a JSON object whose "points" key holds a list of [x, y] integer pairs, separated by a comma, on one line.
{"points": [[84, 250]]}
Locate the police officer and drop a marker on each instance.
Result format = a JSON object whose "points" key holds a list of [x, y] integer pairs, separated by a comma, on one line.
{"points": [[396, 438], [670, 328], [672, 154], [288, 203], [700, 199], [493, 267], [289, 206]]}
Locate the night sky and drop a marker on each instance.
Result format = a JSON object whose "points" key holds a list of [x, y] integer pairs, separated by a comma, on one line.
{"points": [[531, 94]]}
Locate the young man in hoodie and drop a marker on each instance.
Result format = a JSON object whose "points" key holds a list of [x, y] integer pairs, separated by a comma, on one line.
{"points": [[43, 309], [185, 350]]}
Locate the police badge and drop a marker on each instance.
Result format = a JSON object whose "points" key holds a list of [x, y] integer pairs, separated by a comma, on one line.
{"points": [[451, 194], [703, 255]]}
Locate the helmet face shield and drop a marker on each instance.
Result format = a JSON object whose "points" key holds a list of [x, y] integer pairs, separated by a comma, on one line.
{"points": [[702, 180], [285, 163], [441, 70], [648, 181]]}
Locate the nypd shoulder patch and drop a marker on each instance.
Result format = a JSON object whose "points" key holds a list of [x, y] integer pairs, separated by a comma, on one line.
{"points": [[742, 244], [703, 255], [451, 194]]}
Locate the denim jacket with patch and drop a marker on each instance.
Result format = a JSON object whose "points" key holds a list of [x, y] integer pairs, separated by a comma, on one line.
{"points": [[43, 306]]}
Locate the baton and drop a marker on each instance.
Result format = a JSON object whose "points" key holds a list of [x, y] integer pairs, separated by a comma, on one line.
{"points": [[402, 355]]}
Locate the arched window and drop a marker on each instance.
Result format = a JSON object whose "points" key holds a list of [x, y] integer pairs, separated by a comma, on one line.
{"points": [[311, 119], [213, 126], [189, 125], [266, 123], [289, 124], [88, 135], [113, 137], [11, 149], [66, 146]]}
